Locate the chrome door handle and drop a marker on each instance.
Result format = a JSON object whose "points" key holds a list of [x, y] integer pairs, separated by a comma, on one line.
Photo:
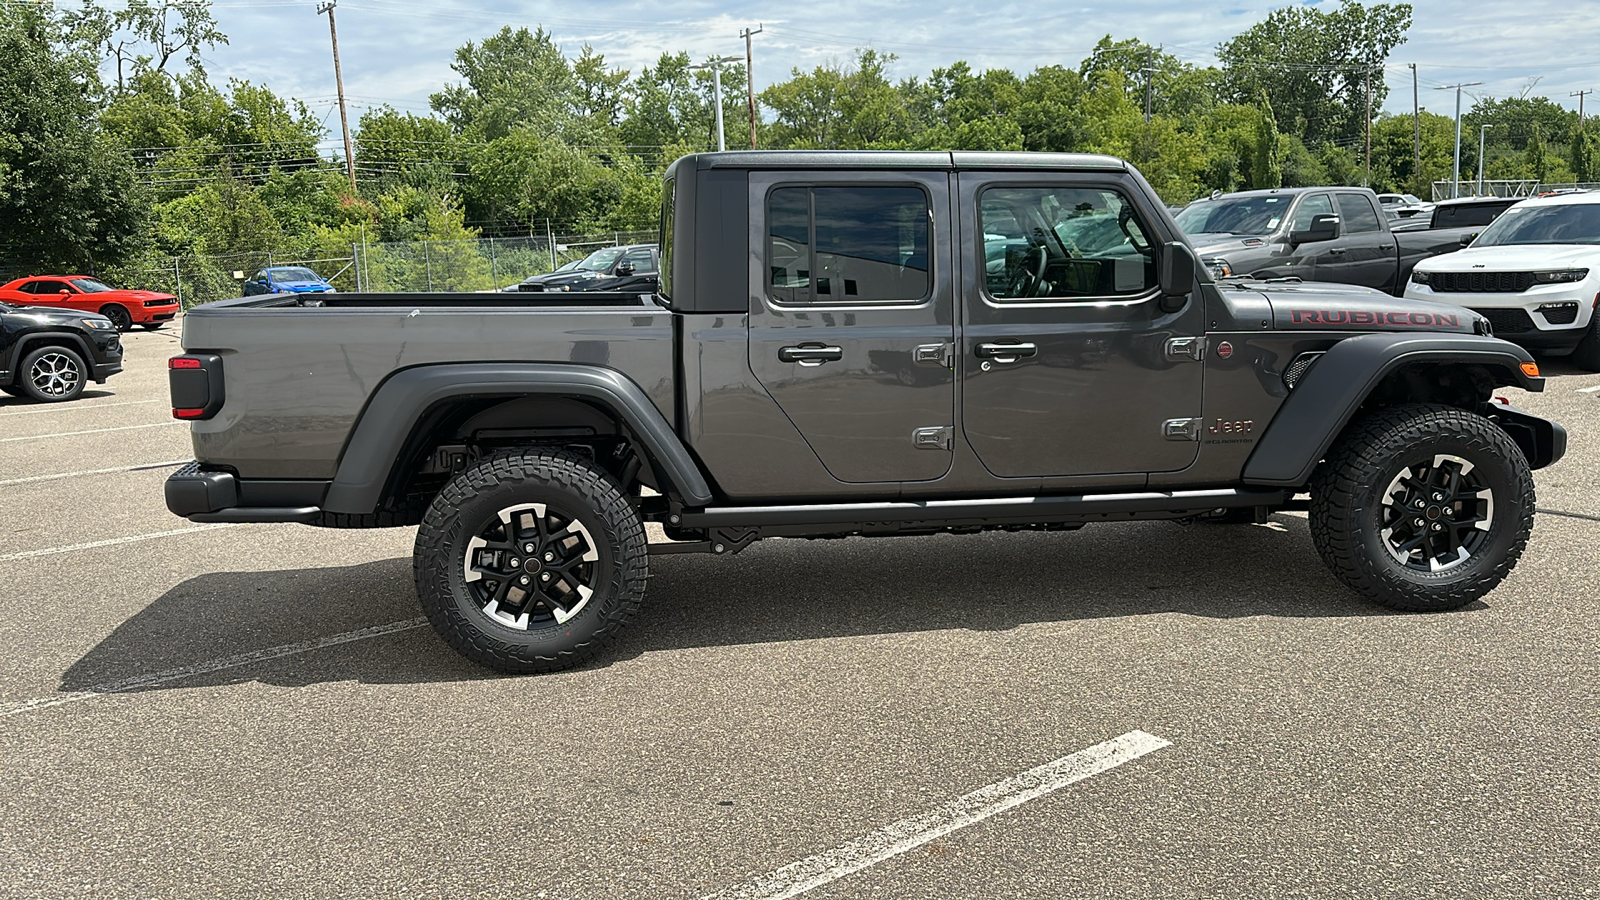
{"points": [[1005, 353], [811, 354]]}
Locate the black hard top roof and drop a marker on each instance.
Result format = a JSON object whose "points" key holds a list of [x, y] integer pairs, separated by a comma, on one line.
{"points": [[899, 159]]}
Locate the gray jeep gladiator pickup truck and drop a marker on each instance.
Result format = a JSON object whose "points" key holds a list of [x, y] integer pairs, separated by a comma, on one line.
{"points": [[860, 344]]}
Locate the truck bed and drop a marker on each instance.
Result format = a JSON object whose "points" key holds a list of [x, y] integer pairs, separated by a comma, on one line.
{"points": [[298, 370]]}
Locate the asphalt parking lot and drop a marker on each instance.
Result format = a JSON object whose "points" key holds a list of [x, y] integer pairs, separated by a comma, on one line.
{"points": [[257, 710]]}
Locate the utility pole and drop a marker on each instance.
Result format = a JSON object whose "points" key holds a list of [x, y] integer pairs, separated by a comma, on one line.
{"points": [[1367, 181], [750, 76], [715, 65], [1149, 80], [1482, 129], [1416, 125], [1455, 174], [1580, 95], [338, 79]]}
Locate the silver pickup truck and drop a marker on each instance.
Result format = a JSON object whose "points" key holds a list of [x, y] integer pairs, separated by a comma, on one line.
{"points": [[860, 344]]}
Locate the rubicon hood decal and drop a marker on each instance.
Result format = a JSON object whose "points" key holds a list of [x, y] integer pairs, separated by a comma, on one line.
{"points": [[1372, 318], [1307, 309]]}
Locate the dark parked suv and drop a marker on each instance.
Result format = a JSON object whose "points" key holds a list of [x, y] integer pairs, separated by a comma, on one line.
{"points": [[49, 355], [631, 268]]}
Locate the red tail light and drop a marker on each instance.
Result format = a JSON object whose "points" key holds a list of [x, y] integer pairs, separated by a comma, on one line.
{"points": [[183, 362], [195, 380]]}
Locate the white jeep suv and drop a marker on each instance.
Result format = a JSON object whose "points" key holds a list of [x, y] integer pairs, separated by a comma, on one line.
{"points": [[1534, 273]]}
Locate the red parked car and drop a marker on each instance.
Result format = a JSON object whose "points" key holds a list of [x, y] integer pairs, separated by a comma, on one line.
{"points": [[125, 309]]}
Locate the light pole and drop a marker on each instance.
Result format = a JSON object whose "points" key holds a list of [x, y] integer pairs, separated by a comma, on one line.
{"points": [[1481, 130], [1455, 173], [715, 65]]}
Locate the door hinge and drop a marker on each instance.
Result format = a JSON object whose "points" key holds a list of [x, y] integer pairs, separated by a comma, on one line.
{"points": [[940, 438], [1181, 429], [1180, 349], [940, 355]]}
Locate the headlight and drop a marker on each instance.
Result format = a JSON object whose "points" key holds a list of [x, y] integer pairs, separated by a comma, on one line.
{"points": [[1560, 276], [1419, 277], [1219, 267], [97, 323]]}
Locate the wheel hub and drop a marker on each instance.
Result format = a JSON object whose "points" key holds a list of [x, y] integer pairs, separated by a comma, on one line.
{"points": [[531, 566], [1437, 514]]}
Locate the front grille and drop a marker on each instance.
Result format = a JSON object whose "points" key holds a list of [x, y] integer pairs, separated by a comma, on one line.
{"points": [[1480, 282], [150, 303], [1508, 321], [1560, 313]]}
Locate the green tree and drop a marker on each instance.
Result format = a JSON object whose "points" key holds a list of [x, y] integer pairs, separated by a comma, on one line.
{"points": [[512, 80], [1314, 65], [852, 107], [1264, 169], [1585, 165], [1050, 112], [68, 194]]}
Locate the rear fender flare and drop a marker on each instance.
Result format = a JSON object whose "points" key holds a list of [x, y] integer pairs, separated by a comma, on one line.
{"points": [[379, 437], [1328, 395]]}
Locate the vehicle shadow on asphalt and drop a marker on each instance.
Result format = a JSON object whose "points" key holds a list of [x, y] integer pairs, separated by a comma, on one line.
{"points": [[787, 590], [8, 402]]}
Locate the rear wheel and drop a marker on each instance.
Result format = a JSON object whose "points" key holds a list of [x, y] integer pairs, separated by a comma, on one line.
{"points": [[1422, 508], [118, 315], [531, 562], [51, 375]]}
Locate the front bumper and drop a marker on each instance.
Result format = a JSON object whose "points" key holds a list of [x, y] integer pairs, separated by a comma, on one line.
{"points": [[1551, 317], [1542, 441]]}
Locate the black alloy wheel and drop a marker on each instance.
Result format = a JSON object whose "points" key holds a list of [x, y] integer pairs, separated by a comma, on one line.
{"points": [[531, 566], [1437, 514], [52, 375], [119, 316]]}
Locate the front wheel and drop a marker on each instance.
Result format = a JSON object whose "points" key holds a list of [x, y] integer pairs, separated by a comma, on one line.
{"points": [[531, 562], [1422, 508], [120, 318], [1587, 353], [52, 375]]}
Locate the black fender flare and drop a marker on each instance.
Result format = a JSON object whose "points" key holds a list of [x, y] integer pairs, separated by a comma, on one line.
{"points": [[1331, 391], [379, 436], [80, 345]]}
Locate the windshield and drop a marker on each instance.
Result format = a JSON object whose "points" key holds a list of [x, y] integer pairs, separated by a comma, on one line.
{"points": [[1571, 223], [600, 260], [293, 273], [89, 285], [1242, 215]]}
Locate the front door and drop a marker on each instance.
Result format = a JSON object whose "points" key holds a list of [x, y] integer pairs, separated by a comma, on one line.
{"points": [[1069, 365], [851, 317]]}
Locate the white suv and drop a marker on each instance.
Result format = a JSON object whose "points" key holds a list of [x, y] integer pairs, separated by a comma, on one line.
{"points": [[1534, 273]]}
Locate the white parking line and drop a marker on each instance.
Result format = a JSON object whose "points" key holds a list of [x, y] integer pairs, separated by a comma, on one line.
{"points": [[217, 665], [907, 834], [111, 542], [86, 472], [72, 407], [40, 437], [1589, 390]]}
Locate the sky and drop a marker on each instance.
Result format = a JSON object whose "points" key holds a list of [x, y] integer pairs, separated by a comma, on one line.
{"points": [[397, 52]]}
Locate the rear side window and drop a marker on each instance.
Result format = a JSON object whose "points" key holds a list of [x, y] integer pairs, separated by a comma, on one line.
{"points": [[839, 245], [668, 198], [36, 287], [1357, 215], [1063, 243]]}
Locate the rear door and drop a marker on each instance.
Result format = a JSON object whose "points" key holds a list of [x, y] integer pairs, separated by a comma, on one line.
{"points": [[852, 318], [1068, 364], [1364, 252]]}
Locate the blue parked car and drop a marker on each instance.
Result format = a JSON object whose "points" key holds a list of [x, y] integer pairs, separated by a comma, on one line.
{"points": [[287, 280]]}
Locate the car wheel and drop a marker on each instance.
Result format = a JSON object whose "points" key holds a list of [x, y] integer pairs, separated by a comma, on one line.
{"points": [[118, 315], [531, 562], [1587, 353], [1422, 508], [51, 375]]}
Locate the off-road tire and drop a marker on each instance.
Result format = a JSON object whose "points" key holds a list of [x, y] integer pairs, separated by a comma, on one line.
{"points": [[65, 361], [561, 482], [1587, 354], [120, 318], [1351, 486]]}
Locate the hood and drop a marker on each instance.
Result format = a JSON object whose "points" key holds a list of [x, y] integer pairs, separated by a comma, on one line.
{"points": [[1340, 307], [142, 296], [571, 277], [1207, 245], [300, 287], [46, 315], [1515, 257]]}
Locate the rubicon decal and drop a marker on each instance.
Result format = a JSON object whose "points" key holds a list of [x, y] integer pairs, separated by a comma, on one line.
{"points": [[1373, 317]]}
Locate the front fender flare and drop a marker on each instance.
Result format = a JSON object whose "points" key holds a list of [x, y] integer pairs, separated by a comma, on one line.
{"points": [[1329, 394], [399, 403]]}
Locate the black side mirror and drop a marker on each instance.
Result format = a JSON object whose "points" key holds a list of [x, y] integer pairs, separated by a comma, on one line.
{"points": [[1176, 274], [625, 268], [1467, 239], [1323, 228]]}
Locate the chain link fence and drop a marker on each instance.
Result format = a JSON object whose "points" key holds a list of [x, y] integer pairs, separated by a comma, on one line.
{"points": [[485, 264]]}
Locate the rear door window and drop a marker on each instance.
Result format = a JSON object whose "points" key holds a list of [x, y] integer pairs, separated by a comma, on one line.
{"points": [[843, 245], [1357, 215]]}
